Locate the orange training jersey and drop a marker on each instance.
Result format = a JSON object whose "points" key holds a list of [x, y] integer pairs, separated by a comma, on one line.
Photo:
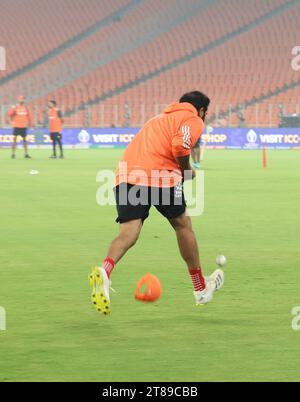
{"points": [[20, 117], [55, 121], [150, 160]]}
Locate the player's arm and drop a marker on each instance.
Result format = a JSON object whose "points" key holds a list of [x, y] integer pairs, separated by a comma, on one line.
{"points": [[12, 113], [185, 166], [183, 142], [60, 115]]}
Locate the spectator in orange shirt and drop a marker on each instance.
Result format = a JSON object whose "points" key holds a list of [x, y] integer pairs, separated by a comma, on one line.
{"points": [[151, 172], [55, 127], [21, 120]]}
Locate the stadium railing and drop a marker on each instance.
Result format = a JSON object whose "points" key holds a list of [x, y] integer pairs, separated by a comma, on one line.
{"points": [[259, 115]]}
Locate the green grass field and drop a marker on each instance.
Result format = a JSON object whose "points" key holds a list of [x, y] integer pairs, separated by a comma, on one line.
{"points": [[52, 232]]}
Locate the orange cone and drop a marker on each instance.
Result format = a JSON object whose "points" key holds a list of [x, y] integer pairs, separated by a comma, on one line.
{"points": [[153, 291]]}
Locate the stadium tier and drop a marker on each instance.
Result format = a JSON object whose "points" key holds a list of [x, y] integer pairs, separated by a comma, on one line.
{"points": [[149, 53], [41, 26]]}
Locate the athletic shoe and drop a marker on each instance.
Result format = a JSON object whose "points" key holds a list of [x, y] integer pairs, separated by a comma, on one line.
{"points": [[13, 157], [53, 157], [100, 284], [27, 157], [205, 296], [213, 284], [217, 278], [61, 157]]}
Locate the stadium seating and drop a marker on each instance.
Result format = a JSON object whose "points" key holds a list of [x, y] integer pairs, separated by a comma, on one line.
{"points": [[31, 28], [244, 60], [231, 74]]}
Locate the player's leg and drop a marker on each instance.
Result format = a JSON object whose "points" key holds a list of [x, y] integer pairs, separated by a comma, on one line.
{"points": [[187, 242], [127, 237], [25, 145], [54, 146], [131, 218], [14, 145], [59, 141], [53, 139], [172, 206], [133, 208], [189, 250], [188, 246], [100, 276], [175, 212]]}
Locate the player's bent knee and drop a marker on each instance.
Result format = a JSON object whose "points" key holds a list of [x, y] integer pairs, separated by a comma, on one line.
{"points": [[181, 222]]}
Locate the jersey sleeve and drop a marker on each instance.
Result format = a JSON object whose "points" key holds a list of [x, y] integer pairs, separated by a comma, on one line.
{"points": [[186, 137]]}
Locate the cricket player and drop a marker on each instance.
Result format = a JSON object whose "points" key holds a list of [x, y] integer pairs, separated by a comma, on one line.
{"points": [[55, 127], [151, 172], [21, 120]]}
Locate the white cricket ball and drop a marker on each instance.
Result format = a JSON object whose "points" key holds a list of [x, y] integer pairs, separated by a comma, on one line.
{"points": [[221, 260], [34, 172]]}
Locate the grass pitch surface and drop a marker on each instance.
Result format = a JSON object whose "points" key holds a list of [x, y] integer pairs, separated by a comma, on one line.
{"points": [[52, 232]]}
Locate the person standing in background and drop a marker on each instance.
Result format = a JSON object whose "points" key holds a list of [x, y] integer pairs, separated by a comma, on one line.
{"points": [[55, 127], [21, 119]]}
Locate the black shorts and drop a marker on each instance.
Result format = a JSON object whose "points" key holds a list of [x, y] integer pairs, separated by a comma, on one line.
{"points": [[22, 132], [55, 136], [134, 202]]}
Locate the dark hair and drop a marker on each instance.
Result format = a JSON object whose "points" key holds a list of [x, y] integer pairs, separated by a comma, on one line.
{"points": [[54, 102], [198, 99]]}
